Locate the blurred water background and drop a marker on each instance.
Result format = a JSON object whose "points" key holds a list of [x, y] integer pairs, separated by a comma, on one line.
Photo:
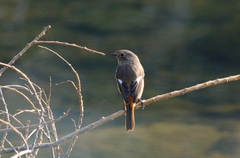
{"points": [[179, 42]]}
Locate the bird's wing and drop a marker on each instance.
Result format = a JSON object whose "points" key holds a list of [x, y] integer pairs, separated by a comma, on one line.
{"points": [[135, 89], [123, 89]]}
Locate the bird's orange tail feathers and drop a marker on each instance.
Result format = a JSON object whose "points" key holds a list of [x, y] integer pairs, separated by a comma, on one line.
{"points": [[130, 118]]}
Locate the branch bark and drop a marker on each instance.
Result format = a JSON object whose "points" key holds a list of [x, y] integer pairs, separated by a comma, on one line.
{"points": [[189, 89]]}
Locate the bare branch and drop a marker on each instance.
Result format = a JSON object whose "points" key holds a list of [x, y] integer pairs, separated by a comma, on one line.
{"points": [[189, 89], [13, 89], [35, 125], [67, 154], [24, 152], [14, 150], [29, 82], [70, 44], [7, 116], [19, 133], [69, 136]]}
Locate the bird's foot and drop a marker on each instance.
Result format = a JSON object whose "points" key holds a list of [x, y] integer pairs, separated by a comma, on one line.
{"points": [[142, 102]]}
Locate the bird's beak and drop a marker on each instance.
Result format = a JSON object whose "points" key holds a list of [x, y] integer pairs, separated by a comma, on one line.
{"points": [[113, 54]]}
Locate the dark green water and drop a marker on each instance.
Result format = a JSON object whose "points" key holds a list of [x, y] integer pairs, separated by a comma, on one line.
{"points": [[180, 44]]}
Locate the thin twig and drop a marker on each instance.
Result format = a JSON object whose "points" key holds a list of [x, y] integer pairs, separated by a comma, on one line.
{"points": [[35, 153], [19, 92], [24, 152], [27, 111], [70, 148], [70, 44], [51, 117], [29, 82], [41, 91], [17, 120], [35, 125], [14, 129], [7, 116], [14, 150], [27, 131], [38, 129]]}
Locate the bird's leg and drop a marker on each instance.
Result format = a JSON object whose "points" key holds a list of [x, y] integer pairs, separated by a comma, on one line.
{"points": [[142, 102]]}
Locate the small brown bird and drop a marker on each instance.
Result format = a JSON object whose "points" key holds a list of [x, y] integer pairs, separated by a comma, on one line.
{"points": [[130, 82]]}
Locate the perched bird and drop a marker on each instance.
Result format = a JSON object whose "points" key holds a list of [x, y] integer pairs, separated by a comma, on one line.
{"points": [[130, 82]]}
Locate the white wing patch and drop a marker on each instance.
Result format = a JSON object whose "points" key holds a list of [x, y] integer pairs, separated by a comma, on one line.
{"points": [[138, 79], [120, 81]]}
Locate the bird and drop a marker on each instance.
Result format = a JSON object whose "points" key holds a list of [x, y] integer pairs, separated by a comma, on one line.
{"points": [[130, 82]]}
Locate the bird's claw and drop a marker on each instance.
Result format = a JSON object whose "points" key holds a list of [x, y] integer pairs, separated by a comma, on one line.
{"points": [[142, 102]]}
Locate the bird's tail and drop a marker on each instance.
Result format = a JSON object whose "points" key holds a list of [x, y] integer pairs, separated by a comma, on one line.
{"points": [[130, 118]]}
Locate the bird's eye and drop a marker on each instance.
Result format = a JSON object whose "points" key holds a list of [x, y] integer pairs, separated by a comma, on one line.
{"points": [[122, 55]]}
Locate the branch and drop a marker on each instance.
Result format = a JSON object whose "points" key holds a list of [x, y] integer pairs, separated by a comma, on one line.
{"points": [[21, 153], [70, 44], [35, 125], [29, 82], [121, 112], [19, 133], [13, 89], [69, 136], [189, 89]]}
